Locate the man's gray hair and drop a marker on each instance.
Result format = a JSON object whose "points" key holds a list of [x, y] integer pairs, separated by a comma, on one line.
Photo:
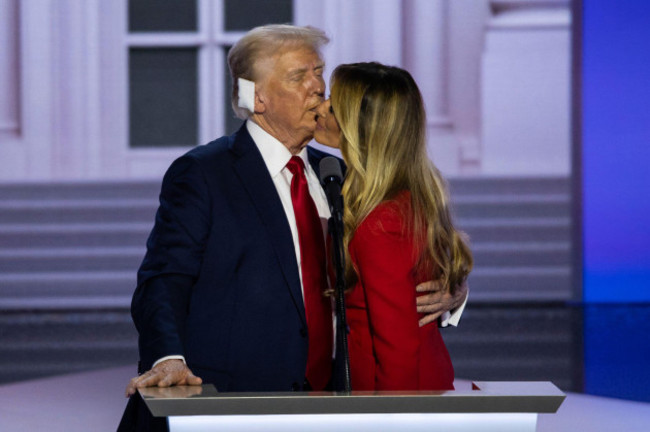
{"points": [[261, 43]]}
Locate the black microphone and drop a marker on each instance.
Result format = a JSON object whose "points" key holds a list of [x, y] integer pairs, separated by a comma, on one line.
{"points": [[331, 177]]}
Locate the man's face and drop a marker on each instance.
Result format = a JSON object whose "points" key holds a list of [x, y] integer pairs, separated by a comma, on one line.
{"points": [[290, 91]]}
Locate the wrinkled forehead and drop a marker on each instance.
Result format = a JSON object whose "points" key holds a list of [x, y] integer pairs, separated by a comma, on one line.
{"points": [[285, 58]]}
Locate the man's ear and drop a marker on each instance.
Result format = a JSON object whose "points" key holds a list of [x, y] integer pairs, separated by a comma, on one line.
{"points": [[260, 104]]}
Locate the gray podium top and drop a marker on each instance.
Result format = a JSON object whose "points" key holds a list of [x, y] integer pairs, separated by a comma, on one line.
{"points": [[487, 397]]}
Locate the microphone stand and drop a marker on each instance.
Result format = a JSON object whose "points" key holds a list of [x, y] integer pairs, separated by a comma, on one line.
{"points": [[342, 357]]}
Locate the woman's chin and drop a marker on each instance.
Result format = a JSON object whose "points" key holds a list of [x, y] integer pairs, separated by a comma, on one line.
{"points": [[320, 139]]}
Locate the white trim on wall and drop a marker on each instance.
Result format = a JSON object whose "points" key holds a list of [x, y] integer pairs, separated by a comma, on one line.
{"points": [[37, 85], [9, 71]]}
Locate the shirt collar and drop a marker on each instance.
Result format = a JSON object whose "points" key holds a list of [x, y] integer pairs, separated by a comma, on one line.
{"points": [[275, 154]]}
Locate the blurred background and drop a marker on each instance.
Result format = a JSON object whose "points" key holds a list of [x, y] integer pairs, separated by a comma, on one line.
{"points": [[538, 115]]}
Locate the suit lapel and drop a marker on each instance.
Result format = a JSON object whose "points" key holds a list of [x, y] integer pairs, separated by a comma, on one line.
{"points": [[314, 160], [254, 176]]}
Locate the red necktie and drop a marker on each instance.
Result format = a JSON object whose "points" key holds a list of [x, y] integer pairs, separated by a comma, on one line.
{"points": [[318, 308]]}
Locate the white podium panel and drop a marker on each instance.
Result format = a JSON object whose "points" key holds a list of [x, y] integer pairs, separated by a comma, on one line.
{"points": [[452, 422], [491, 406]]}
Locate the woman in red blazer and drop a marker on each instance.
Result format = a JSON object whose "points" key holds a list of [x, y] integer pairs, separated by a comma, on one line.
{"points": [[398, 230]]}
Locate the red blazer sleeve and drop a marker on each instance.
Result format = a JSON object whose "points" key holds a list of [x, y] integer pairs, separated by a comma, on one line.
{"points": [[382, 251]]}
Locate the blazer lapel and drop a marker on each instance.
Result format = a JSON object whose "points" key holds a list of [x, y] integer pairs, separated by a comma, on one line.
{"points": [[254, 176]]}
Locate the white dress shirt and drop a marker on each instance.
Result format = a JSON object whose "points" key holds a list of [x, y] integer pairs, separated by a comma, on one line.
{"points": [[276, 156]]}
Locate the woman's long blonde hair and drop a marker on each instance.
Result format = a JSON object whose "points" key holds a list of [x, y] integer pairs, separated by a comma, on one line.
{"points": [[381, 115]]}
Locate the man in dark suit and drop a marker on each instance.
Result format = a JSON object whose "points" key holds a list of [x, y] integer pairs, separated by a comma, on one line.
{"points": [[220, 291]]}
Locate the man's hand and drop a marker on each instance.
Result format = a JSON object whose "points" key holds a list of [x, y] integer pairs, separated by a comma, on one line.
{"points": [[179, 391], [165, 374], [438, 300]]}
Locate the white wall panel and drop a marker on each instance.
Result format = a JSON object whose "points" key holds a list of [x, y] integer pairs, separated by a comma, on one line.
{"points": [[526, 90], [9, 82], [494, 75], [37, 88]]}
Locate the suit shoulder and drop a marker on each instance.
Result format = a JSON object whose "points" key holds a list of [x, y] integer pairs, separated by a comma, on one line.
{"points": [[210, 150], [199, 160], [315, 156], [319, 154], [222, 149], [208, 155]]}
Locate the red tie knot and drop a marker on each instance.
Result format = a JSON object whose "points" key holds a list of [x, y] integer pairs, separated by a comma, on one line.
{"points": [[296, 165]]}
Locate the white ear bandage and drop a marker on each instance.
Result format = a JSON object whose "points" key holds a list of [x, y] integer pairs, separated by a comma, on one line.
{"points": [[246, 94]]}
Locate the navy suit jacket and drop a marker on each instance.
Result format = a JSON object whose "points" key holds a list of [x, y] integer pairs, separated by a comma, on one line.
{"points": [[219, 283]]}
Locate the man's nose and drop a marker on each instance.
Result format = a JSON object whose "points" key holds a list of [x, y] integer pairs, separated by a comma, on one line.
{"points": [[318, 85]]}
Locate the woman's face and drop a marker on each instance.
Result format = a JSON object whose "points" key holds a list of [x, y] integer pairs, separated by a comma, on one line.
{"points": [[327, 128]]}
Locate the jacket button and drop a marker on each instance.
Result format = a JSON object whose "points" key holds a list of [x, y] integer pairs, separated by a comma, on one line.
{"points": [[295, 387], [303, 332]]}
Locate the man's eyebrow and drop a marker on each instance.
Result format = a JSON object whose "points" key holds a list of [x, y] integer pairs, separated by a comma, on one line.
{"points": [[298, 71], [302, 71]]}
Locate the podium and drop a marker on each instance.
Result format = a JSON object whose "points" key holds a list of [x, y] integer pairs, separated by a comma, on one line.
{"points": [[489, 406]]}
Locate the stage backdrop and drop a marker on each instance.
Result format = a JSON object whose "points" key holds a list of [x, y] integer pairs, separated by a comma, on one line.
{"points": [[616, 151], [616, 196]]}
